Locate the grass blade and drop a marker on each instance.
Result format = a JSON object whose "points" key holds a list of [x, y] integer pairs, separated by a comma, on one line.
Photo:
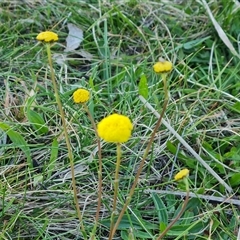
{"points": [[18, 141]]}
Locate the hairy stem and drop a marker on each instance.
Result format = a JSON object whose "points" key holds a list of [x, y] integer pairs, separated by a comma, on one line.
{"points": [[116, 184]]}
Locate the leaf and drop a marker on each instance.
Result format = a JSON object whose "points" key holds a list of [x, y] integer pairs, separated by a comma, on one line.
{"points": [[7, 205], [233, 154], [53, 157], [91, 83], [193, 228], [74, 38], [18, 141], [37, 122], [161, 211], [236, 107], [131, 221], [133, 234], [235, 179], [143, 86], [191, 44]]}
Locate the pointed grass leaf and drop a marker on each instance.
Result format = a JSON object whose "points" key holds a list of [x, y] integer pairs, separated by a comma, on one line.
{"points": [[6, 206], [161, 211], [193, 43], [37, 122], [143, 86], [53, 157], [235, 107], [18, 141], [91, 83]]}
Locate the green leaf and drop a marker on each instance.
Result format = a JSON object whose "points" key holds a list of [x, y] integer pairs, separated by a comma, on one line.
{"points": [[193, 228], [143, 86], [236, 107], [125, 235], [187, 217], [194, 43], [18, 141], [233, 154], [91, 83], [53, 157], [161, 211], [131, 221], [235, 179], [7, 205], [37, 122], [133, 234]]}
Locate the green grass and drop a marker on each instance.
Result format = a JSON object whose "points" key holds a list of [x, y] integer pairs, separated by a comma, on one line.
{"points": [[122, 40]]}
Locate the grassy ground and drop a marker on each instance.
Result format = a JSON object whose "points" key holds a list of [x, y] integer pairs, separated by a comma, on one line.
{"points": [[122, 40]]}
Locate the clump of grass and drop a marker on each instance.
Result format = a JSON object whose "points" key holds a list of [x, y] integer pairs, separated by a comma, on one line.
{"points": [[121, 43]]}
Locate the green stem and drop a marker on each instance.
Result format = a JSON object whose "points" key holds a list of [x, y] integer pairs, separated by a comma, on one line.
{"points": [[70, 155], [179, 214], [128, 200], [116, 184]]}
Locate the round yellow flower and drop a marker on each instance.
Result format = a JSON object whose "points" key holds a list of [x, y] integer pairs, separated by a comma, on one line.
{"points": [[81, 95], [162, 67], [115, 128], [182, 174], [47, 36]]}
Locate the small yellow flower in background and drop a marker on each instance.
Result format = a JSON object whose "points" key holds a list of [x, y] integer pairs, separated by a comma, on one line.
{"points": [[81, 95], [115, 128], [182, 174], [47, 36], [162, 66]]}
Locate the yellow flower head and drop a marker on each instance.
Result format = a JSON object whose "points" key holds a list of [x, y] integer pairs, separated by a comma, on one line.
{"points": [[81, 95], [115, 128], [47, 36], [162, 66], [182, 174]]}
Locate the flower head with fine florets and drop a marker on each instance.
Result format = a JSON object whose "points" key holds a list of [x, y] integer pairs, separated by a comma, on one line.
{"points": [[115, 128], [81, 95], [162, 66], [47, 36], [182, 174]]}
